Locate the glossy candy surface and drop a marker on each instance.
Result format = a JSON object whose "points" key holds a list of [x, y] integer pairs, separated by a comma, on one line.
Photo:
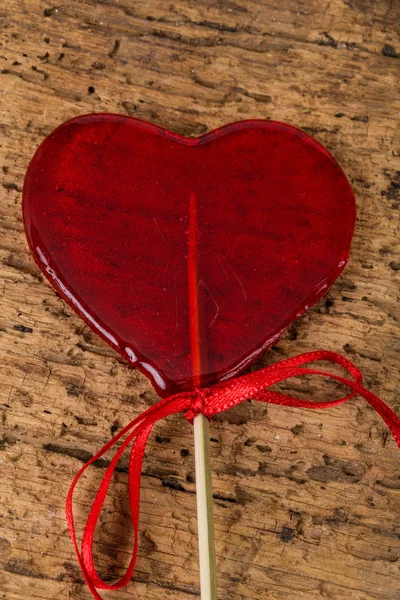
{"points": [[188, 256]]}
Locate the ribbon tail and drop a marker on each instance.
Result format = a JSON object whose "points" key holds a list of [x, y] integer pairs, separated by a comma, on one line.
{"points": [[137, 433], [85, 556], [387, 414], [138, 448]]}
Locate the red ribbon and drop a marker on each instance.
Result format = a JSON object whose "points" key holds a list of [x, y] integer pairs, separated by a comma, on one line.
{"points": [[208, 401]]}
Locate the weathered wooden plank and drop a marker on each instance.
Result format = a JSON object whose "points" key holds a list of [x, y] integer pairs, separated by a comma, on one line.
{"points": [[306, 503]]}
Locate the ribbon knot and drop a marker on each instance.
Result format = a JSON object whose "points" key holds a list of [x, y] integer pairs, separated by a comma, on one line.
{"points": [[208, 401], [198, 404]]}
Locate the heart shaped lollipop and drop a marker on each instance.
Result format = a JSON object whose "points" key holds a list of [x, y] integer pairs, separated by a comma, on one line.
{"points": [[132, 224]]}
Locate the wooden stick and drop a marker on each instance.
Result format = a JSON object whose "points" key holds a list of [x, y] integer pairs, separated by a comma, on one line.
{"points": [[205, 521]]}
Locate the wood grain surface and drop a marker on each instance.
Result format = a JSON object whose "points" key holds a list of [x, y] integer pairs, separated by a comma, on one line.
{"points": [[307, 503]]}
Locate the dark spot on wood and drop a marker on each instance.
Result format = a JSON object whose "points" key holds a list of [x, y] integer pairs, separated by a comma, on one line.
{"points": [[180, 589], [348, 349], [292, 333], [250, 441], [243, 497], [262, 98], [363, 183], [316, 130], [128, 399], [149, 398], [239, 416], [390, 483], [384, 437], [346, 285], [159, 473], [18, 566], [91, 89], [395, 265], [337, 470], [173, 483], [263, 449], [214, 440], [47, 40], [190, 478], [218, 496], [73, 389], [44, 57], [48, 412], [364, 6], [115, 49], [48, 12], [389, 51], [7, 440], [129, 107], [98, 66], [16, 261], [5, 547], [24, 397], [162, 440], [23, 328], [297, 429], [12, 187], [73, 573], [186, 128], [45, 75], [339, 515], [90, 422], [327, 40], [233, 469], [286, 534], [217, 26], [115, 427], [184, 452], [60, 56], [360, 118], [339, 115], [83, 456]]}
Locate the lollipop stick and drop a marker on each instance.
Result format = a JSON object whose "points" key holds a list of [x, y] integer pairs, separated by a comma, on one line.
{"points": [[208, 582], [205, 522]]}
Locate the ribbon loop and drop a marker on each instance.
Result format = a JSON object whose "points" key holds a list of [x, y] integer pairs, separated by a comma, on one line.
{"points": [[209, 401]]}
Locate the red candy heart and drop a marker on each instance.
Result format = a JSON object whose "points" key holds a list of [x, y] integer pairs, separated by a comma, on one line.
{"points": [[188, 256]]}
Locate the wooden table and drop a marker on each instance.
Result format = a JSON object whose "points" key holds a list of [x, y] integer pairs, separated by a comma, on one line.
{"points": [[306, 503]]}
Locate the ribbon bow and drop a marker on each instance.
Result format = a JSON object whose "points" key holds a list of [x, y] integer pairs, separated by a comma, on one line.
{"points": [[209, 401]]}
